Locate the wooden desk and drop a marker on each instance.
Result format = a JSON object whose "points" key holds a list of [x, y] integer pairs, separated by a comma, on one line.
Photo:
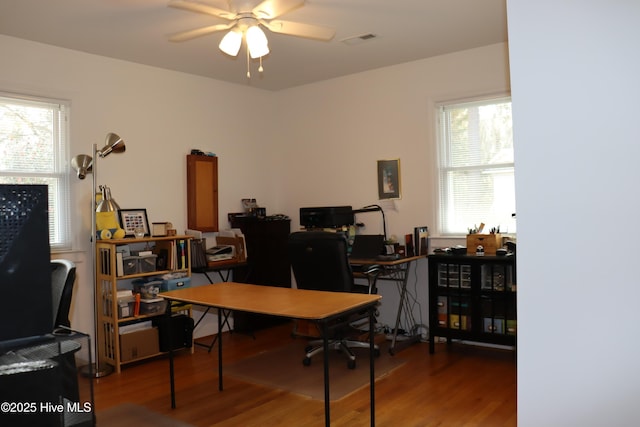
{"points": [[396, 270], [318, 306]]}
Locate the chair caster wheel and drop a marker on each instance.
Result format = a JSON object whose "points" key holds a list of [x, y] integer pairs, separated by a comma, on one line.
{"points": [[351, 364], [306, 361]]}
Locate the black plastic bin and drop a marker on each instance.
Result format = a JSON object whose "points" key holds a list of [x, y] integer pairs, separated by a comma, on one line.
{"points": [[177, 330]]}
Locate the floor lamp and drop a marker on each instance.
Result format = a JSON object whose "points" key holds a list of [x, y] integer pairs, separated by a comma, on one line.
{"points": [[84, 164]]}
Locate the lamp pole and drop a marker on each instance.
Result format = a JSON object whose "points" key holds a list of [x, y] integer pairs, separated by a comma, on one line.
{"points": [[95, 371], [84, 165]]}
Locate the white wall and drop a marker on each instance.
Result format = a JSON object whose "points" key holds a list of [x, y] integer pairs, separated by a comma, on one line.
{"points": [[338, 129], [574, 73], [311, 145], [161, 115]]}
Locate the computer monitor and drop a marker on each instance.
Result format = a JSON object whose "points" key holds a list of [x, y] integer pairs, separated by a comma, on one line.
{"points": [[25, 269]]}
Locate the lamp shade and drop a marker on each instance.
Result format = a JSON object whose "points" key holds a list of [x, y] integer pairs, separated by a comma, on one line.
{"points": [[257, 42], [82, 165], [231, 42], [113, 144], [107, 204]]}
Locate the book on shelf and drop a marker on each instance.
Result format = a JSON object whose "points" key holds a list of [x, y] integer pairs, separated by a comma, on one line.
{"points": [[119, 264], [167, 255], [182, 259]]}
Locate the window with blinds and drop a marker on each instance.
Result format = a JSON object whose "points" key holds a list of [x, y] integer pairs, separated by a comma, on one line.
{"points": [[34, 150], [475, 166]]}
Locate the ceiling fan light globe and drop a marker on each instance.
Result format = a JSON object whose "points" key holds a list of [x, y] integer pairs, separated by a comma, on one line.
{"points": [[257, 51], [231, 42], [255, 36], [257, 42]]}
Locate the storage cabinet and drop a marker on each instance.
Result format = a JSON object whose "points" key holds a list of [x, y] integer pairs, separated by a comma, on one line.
{"points": [[472, 298], [268, 263], [202, 193], [172, 255]]}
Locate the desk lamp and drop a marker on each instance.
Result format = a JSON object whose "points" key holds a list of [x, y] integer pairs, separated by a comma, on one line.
{"points": [[84, 164], [374, 208]]}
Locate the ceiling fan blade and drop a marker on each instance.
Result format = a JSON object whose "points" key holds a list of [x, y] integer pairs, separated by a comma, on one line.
{"points": [[199, 32], [193, 6], [300, 30], [270, 9]]}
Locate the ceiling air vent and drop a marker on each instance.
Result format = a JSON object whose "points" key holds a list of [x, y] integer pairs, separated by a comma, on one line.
{"points": [[358, 39]]}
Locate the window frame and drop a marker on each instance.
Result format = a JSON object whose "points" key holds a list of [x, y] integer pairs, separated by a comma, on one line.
{"points": [[59, 203], [443, 166]]}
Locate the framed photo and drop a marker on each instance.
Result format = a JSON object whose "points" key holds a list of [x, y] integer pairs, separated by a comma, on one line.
{"points": [[389, 179], [130, 219]]}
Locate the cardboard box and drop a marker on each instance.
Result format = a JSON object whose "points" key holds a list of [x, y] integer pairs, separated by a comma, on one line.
{"points": [[138, 344], [490, 243]]}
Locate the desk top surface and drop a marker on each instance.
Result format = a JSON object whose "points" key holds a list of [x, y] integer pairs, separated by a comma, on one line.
{"points": [[271, 300]]}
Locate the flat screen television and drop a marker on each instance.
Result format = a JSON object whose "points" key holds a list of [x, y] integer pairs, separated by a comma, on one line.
{"points": [[25, 269]]}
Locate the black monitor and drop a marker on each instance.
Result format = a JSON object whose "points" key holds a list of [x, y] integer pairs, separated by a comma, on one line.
{"points": [[25, 270]]}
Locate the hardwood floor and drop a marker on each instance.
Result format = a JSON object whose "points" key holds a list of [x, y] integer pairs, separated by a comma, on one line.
{"points": [[458, 385]]}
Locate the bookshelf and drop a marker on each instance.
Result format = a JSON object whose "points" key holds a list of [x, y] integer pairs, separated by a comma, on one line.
{"points": [[115, 274]]}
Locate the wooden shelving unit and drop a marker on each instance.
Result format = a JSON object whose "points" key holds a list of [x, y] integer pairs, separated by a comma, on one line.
{"points": [[107, 286]]}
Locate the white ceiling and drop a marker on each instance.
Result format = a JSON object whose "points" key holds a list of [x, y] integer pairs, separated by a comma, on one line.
{"points": [[138, 31]]}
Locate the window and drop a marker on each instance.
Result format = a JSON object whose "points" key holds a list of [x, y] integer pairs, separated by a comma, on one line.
{"points": [[33, 150], [475, 166]]}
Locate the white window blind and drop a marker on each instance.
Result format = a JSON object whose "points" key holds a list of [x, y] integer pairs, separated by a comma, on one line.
{"points": [[34, 150], [475, 166]]}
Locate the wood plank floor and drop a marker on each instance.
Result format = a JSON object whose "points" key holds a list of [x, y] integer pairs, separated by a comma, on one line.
{"points": [[459, 385]]}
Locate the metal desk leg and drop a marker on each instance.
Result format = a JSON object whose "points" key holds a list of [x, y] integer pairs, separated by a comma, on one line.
{"points": [[219, 351], [403, 297], [171, 368], [403, 293], [372, 376], [225, 321], [325, 345]]}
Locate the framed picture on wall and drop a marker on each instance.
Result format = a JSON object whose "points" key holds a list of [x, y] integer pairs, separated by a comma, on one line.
{"points": [[389, 179], [134, 219]]}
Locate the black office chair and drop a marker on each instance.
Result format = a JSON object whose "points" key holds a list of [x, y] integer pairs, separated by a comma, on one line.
{"points": [[320, 261], [63, 276]]}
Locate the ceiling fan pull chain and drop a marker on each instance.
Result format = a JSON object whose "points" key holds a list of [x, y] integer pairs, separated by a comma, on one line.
{"points": [[248, 69], [260, 69]]}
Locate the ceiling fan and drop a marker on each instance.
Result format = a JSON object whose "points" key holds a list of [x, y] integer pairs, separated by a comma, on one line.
{"points": [[246, 18]]}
